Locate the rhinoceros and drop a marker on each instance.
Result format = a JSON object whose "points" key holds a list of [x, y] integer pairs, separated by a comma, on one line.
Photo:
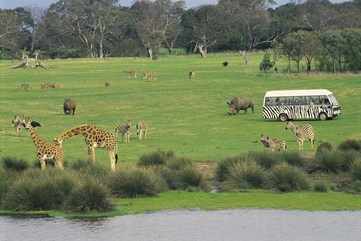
{"points": [[69, 107], [239, 103]]}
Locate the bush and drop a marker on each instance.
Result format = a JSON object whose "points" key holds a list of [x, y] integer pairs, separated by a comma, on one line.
{"points": [[293, 158], [179, 173], [87, 168], [223, 166], [89, 196], [350, 145], [320, 187], [4, 183], [246, 174], [14, 164], [266, 159], [335, 161], [135, 182], [355, 187], [156, 158], [39, 190], [286, 178], [324, 146], [356, 170]]}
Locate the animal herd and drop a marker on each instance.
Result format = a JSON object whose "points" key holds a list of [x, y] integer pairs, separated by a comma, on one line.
{"points": [[99, 138], [94, 138]]}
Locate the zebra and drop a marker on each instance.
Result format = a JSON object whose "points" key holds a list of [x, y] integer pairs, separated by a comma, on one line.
{"points": [[124, 131], [273, 143], [302, 133], [142, 130], [17, 123]]}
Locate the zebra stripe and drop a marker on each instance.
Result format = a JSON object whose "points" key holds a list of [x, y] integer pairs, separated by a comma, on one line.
{"points": [[296, 111]]}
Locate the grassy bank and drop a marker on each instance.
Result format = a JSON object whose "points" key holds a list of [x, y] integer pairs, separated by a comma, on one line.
{"points": [[307, 201]]}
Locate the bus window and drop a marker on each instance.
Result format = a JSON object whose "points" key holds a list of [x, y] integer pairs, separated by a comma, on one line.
{"points": [[300, 100], [325, 100]]}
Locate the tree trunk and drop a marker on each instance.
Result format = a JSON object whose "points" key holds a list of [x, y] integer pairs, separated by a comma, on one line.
{"points": [[150, 53], [202, 50]]}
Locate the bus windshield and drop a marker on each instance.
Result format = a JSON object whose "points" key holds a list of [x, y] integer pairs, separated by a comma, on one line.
{"points": [[333, 100]]}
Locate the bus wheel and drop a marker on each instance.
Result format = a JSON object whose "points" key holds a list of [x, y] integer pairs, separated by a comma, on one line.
{"points": [[283, 117], [322, 116]]}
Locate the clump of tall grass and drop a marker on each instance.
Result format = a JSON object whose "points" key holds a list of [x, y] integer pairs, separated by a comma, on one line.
{"points": [[40, 190], [320, 187], [350, 145], [135, 182], [286, 178], [245, 174], [14, 164], [335, 161], [156, 158], [89, 196], [179, 173], [356, 170]]}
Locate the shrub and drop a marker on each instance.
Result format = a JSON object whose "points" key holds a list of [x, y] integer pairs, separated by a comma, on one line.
{"points": [[39, 190], [87, 168], [4, 183], [355, 187], [293, 158], [324, 146], [286, 178], [223, 166], [156, 158], [246, 174], [348, 145], [135, 182], [334, 161], [266, 159], [89, 196], [179, 173], [356, 170], [14, 164], [320, 187]]}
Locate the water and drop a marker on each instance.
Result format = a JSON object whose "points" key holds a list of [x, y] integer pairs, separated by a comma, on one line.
{"points": [[237, 225]]}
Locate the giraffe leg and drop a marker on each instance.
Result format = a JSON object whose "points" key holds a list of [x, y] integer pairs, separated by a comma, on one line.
{"points": [[91, 153], [112, 160], [42, 164], [59, 163]]}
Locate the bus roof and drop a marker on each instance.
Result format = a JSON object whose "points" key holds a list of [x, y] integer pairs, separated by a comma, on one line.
{"points": [[279, 93]]}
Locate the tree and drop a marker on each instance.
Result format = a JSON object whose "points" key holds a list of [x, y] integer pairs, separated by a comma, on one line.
{"points": [[157, 23]]}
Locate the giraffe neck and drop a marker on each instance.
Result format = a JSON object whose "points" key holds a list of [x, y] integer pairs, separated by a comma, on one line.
{"points": [[79, 130], [38, 141]]}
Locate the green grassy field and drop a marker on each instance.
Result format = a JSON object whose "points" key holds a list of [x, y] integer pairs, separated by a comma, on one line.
{"points": [[186, 116]]}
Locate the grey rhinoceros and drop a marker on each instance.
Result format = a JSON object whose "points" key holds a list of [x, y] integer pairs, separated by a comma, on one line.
{"points": [[239, 103]]}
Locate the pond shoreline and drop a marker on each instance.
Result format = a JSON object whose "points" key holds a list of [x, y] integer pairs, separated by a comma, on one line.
{"points": [[201, 201]]}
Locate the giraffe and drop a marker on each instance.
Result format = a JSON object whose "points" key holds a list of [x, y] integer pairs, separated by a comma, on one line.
{"points": [[94, 138], [45, 151]]}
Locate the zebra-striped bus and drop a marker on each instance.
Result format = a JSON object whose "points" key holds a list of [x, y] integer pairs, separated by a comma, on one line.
{"points": [[300, 104]]}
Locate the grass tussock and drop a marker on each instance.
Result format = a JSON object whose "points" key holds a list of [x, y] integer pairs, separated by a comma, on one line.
{"points": [[156, 158], [14, 164], [135, 182], [286, 178], [89, 196], [244, 175]]}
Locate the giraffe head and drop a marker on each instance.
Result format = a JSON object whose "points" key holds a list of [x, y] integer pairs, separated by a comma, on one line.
{"points": [[27, 123], [58, 141]]}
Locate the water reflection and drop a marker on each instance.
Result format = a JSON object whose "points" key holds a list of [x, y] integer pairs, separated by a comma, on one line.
{"points": [[260, 225]]}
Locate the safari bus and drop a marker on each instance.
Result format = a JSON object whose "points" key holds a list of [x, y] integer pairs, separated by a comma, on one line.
{"points": [[314, 104]]}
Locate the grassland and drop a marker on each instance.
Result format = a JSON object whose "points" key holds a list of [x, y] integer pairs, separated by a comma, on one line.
{"points": [[187, 116]]}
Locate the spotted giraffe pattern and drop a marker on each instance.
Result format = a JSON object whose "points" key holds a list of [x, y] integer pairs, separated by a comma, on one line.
{"points": [[45, 151], [94, 138]]}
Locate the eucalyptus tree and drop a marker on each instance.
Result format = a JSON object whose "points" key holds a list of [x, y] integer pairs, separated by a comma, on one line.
{"points": [[158, 23]]}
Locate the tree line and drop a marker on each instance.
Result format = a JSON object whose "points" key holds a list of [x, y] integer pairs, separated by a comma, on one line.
{"points": [[88, 28]]}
